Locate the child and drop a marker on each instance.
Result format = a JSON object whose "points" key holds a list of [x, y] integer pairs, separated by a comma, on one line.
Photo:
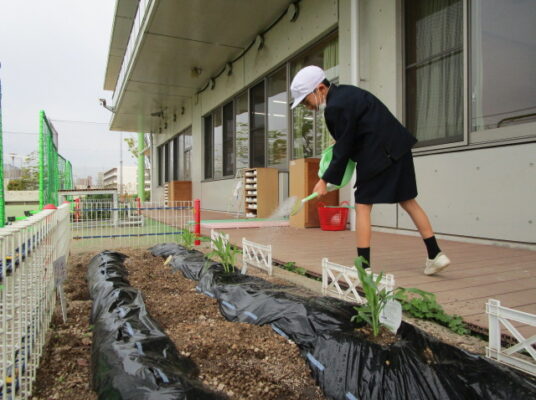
{"points": [[366, 132]]}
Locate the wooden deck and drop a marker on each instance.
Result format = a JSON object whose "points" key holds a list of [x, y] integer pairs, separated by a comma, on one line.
{"points": [[478, 272]]}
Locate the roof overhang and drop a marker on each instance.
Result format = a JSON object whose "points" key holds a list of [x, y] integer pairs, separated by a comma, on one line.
{"points": [[125, 11], [180, 35]]}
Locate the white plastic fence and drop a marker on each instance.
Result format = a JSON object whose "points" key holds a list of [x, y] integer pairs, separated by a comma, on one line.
{"points": [[499, 315], [28, 250], [108, 225], [256, 255], [333, 273], [214, 235]]}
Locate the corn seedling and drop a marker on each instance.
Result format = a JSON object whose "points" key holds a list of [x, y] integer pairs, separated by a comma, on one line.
{"points": [[376, 298], [187, 239], [226, 253]]}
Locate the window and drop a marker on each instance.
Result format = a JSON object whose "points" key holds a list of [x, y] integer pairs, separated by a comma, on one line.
{"points": [[176, 158], [242, 131], [228, 140], [310, 135], [187, 146], [252, 130], [208, 147], [166, 162], [434, 70], [257, 124], [277, 99], [160, 151], [217, 143], [182, 146], [503, 63]]}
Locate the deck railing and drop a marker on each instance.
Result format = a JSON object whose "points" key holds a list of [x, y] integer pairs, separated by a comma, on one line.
{"points": [[29, 250], [502, 316], [334, 274]]}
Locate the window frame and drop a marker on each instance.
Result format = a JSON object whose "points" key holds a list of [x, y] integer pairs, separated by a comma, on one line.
{"points": [[514, 134], [330, 35], [210, 135], [160, 152], [333, 35], [233, 138], [465, 137]]}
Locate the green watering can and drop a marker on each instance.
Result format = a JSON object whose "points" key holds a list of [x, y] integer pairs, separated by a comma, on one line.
{"points": [[325, 160]]}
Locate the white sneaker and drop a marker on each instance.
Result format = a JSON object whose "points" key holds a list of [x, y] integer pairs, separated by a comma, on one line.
{"points": [[439, 263]]}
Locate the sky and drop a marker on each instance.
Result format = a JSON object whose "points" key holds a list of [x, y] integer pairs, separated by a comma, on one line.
{"points": [[53, 57]]}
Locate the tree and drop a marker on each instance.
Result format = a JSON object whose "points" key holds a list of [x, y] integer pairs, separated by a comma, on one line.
{"points": [[29, 179]]}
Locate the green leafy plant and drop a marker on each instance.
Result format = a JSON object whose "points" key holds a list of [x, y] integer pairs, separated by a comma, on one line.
{"points": [[187, 239], [291, 266], [424, 305], [225, 252], [376, 298]]}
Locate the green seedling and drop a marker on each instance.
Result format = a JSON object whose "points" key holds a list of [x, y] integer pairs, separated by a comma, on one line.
{"points": [[291, 266], [376, 298], [225, 252], [424, 305], [187, 239]]}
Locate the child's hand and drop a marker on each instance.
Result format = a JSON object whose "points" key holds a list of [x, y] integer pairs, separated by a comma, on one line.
{"points": [[321, 188]]}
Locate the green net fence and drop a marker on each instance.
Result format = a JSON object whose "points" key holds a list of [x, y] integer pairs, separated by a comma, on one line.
{"points": [[55, 172], [2, 197]]}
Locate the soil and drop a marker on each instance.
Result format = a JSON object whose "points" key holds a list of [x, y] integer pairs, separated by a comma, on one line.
{"points": [[385, 336], [64, 371], [244, 361]]}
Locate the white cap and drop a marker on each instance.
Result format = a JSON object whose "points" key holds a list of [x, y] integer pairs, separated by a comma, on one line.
{"points": [[305, 81]]}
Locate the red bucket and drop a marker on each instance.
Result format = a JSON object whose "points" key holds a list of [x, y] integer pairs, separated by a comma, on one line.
{"points": [[333, 218]]}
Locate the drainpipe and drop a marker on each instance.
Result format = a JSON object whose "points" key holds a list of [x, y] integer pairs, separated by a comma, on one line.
{"points": [[141, 167], [354, 76]]}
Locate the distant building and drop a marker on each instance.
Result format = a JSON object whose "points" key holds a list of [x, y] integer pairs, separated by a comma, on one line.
{"points": [[100, 179], [12, 172], [112, 179], [84, 183]]}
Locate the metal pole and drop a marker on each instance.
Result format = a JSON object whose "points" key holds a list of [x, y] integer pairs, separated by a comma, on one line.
{"points": [[197, 221], [41, 160], [141, 167]]}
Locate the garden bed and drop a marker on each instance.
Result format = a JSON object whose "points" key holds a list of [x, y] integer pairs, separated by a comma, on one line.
{"points": [[237, 359], [241, 360]]}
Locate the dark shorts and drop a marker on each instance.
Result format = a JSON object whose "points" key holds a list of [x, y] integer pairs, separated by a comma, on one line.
{"points": [[393, 185]]}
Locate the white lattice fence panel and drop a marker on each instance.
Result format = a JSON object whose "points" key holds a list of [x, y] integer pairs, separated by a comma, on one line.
{"points": [[214, 235], [501, 316], [256, 255], [333, 274], [28, 250]]}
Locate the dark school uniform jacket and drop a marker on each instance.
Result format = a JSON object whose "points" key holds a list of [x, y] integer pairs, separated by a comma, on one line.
{"points": [[365, 131]]}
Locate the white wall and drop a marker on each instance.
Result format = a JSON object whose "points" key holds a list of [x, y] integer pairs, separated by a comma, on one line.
{"points": [[485, 193]]}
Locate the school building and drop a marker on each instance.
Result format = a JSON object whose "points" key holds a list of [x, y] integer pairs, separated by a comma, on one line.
{"points": [[210, 81]]}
